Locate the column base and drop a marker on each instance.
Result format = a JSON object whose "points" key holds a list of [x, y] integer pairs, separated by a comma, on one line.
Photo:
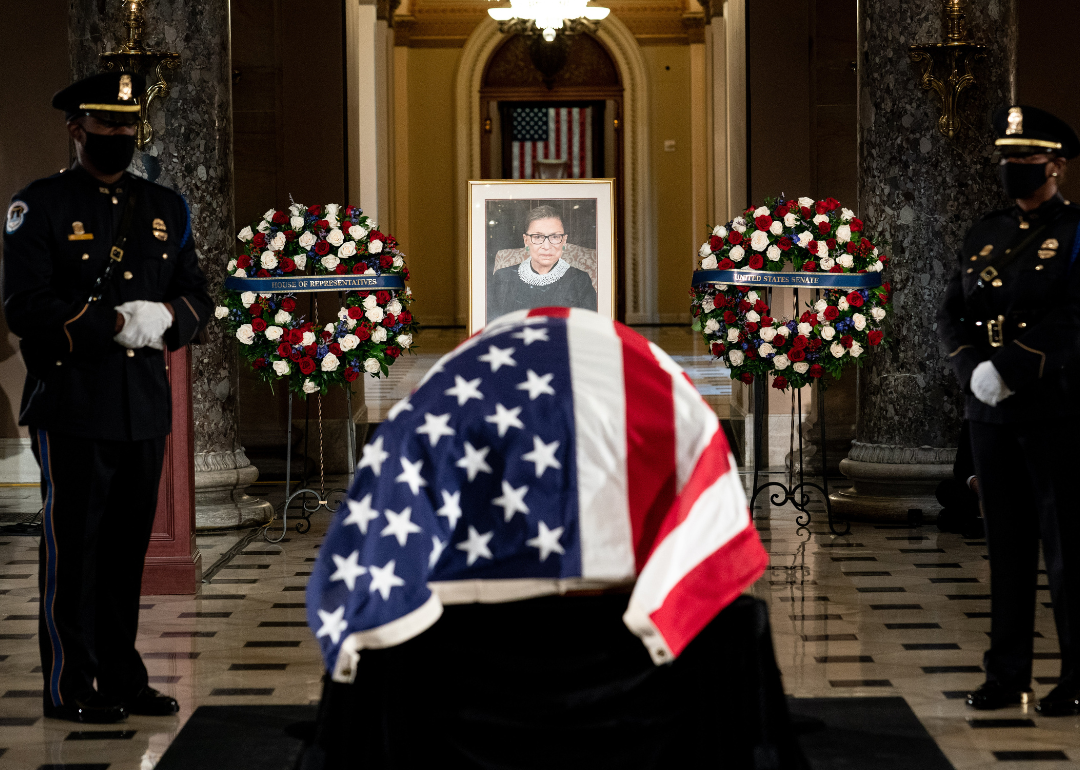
{"points": [[885, 487], [220, 499]]}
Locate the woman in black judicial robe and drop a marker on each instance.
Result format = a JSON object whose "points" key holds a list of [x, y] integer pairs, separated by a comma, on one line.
{"points": [[544, 279]]}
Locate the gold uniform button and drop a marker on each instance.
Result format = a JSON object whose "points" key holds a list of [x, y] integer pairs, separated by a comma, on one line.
{"points": [[1025, 225], [130, 353], [127, 275], [165, 256], [1022, 325], [59, 363], [996, 283], [115, 199], [1039, 267], [974, 258], [970, 270], [85, 257]]}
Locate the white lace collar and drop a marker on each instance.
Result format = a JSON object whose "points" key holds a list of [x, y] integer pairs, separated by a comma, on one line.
{"points": [[531, 277]]}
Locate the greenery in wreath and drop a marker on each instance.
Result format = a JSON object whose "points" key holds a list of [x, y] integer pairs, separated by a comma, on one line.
{"points": [[803, 236], [371, 329]]}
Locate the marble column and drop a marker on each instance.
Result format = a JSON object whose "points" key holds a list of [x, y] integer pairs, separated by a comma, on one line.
{"points": [[920, 191], [192, 153]]}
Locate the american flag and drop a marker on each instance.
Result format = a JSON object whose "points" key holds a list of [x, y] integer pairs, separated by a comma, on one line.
{"points": [[554, 450], [563, 133]]}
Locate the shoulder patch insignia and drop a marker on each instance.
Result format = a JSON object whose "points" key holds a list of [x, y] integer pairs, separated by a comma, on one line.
{"points": [[16, 214]]}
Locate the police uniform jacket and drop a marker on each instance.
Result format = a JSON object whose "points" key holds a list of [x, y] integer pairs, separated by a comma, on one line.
{"points": [[1028, 324], [57, 240]]}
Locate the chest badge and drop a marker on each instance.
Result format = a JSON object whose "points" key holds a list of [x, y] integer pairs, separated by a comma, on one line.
{"points": [[986, 249], [78, 233], [159, 230]]}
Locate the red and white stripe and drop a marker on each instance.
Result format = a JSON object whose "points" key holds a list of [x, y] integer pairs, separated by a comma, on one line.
{"points": [[569, 138]]}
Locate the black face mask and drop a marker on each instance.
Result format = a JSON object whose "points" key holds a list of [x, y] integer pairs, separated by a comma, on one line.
{"points": [[110, 153], [1021, 180]]}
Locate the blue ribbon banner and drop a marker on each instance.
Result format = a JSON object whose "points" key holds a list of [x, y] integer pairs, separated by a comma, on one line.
{"points": [[798, 280], [305, 283]]}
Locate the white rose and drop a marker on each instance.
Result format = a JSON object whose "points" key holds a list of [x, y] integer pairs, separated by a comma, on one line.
{"points": [[220, 312], [375, 314], [776, 227], [736, 254], [246, 234], [333, 210], [789, 220], [874, 253], [308, 339], [343, 313], [374, 247], [768, 333], [837, 350], [300, 261], [394, 308], [704, 251], [822, 249], [358, 231], [820, 305], [735, 357], [282, 317], [759, 240], [752, 296], [347, 249], [336, 237], [781, 362], [846, 214], [404, 341], [761, 211], [739, 225], [330, 261], [876, 267], [349, 342], [247, 298], [398, 262], [369, 271], [846, 260], [295, 209], [720, 231], [269, 215], [369, 302], [245, 334], [371, 366], [827, 332], [820, 218], [827, 263], [842, 304], [804, 329], [310, 387], [878, 313], [707, 305], [721, 286], [307, 240], [709, 263], [273, 333], [296, 223], [765, 349], [859, 320], [752, 316], [801, 367], [263, 227], [856, 350], [329, 363], [733, 334], [231, 266], [281, 368], [806, 203], [351, 323], [378, 335], [277, 243], [804, 238], [843, 234], [711, 326], [773, 253], [268, 260]]}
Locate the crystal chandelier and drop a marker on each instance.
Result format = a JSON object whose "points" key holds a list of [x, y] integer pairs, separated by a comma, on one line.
{"points": [[548, 17]]}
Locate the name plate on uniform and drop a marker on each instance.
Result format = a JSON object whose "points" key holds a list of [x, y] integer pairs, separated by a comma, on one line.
{"points": [[799, 280], [306, 283]]}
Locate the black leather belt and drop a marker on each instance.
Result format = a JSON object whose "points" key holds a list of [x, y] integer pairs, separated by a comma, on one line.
{"points": [[1000, 331]]}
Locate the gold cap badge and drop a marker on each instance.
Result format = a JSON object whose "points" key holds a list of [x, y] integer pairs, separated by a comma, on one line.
{"points": [[1016, 121], [125, 88]]}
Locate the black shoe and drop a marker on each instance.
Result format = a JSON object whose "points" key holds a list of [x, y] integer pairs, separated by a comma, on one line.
{"points": [[994, 695], [93, 710], [1063, 701], [151, 703]]}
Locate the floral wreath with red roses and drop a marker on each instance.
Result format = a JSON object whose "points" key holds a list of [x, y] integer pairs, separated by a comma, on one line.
{"points": [[811, 237], [371, 328]]}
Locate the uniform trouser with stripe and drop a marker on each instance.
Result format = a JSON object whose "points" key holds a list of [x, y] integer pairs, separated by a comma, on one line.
{"points": [[1027, 482], [99, 502]]}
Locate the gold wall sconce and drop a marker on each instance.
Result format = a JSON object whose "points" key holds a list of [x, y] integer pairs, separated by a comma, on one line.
{"points": [[955, 61], [131, 56]]}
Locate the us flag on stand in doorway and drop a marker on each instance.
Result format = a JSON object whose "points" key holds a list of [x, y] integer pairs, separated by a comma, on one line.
{"points": [[555, 450], [555, 133]]}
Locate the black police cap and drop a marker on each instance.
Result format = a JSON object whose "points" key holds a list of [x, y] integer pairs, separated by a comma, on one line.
{"points": [[1023, 130], [110, 96]]}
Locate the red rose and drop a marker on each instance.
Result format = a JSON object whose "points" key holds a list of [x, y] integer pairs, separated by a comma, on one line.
{"points": [[323, 224], [307, 365], [335, 349], [809, 317], [751, 353], [784, 243], [356, 312], [831, 313], [258, 324], [875, 337], [716, 243], [255, 309], [796, 354], [382, 297], [359, 268], [295, 356], [747, 377], [830, 242], [288, 304], [729, 317], [805, 211], [766, 320], [809, 267], [375, 235], [350, 375], [779, 382], [349, 210], [340, 269], [393, 352], [812, 247], [725, 264], [743, 289], [781, 211], [799, 342], [832, 204], [259, 241], [815, 345], [816, 370], [851, 248], [295, 336], [362, 332], [389, 320], [258, 363], [744, 306], [280, 218], [314, 210], [865, 244], [756, 262], [311, 350], [824, 227], [717, 349], [322, 248], [761, 307], [887, 288], [836, 269], [326, 334], [734, 238], [820, 207], [263, 274], [386, 261], [243, 261], [290, 235], [855, 224], [284, 349], [405, 317], [847, 341], [751, 327], [779, 341], [855, 299], [287, 264], [764, 222]]}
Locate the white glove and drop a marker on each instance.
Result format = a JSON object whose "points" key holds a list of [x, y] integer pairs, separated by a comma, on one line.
{"points": [[144, 324], [988, 386]]}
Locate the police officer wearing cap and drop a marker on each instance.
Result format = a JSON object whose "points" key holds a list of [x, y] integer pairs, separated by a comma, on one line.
{"points": [[1010, 324], [99, 277]]}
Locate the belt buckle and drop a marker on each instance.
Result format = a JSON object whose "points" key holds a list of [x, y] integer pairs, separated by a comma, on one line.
{"points": [[116, 253], [988, 273], [996, 332]]}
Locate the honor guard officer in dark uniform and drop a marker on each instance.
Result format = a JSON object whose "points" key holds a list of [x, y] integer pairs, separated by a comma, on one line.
{"points": [[99, 277], [1010, 324]]}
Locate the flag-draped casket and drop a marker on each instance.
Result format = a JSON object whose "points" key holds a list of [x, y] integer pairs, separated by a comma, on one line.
{"points": [[555, 450]]}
